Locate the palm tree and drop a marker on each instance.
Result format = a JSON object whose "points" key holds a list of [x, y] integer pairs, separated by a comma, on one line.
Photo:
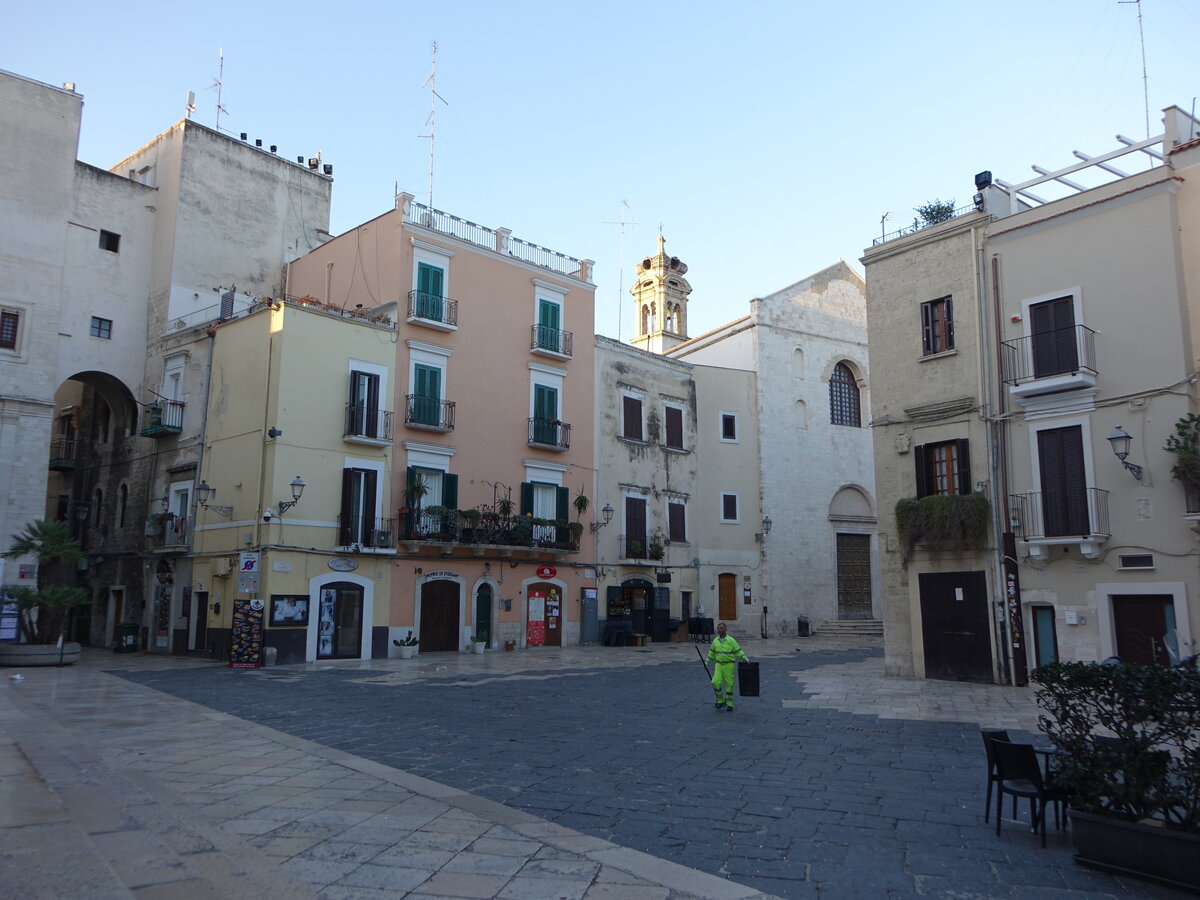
{"points": [[44, 610]]}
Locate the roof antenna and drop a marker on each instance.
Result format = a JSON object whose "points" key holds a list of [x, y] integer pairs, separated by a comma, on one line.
{"points": [[191, 104], [217, 84], [434, 97], [621, 264], [1142, 35]]}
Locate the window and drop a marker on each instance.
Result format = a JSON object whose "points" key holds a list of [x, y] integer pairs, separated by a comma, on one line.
{"points": [[549, 334], [430, 298], [937, 325], [122, 505], [1064, 486], [673, 420], [676, 521], [843, 397], [110, 241], [102, 328], [545, 501], [1052, 328], [357, 522], [631, 413], [9, 320], [943, 468], [635, 527], [427, 395], [545, 414], [363, 418], [729, 426], [729, 507]]}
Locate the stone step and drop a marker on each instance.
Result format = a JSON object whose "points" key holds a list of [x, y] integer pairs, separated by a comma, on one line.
{"points": [[850, 628]]}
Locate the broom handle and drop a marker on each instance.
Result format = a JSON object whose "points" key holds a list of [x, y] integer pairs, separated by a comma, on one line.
{"points": [[703, 663]]}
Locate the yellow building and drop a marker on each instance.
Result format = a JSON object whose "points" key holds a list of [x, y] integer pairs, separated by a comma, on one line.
{"points": [[294, 542]]}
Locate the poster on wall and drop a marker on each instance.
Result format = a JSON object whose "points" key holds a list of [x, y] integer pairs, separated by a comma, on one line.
{"points": [[245, 650], [325, 631], [162, 617], [553, 611], [9, 627], [535, 626]]}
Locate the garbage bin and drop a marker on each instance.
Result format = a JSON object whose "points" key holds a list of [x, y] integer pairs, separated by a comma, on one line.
{"points": [[802, 626], [125, 637], [748, 679]]}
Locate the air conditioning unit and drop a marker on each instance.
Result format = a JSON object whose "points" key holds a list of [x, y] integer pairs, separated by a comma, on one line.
{"points": [[382, 538], [219, 566]]}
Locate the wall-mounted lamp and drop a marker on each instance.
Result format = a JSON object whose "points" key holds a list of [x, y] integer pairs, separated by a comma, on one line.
{"points": [[607, 512], [1120, 441], [761, 536], [297, 490], [274, 432], [203, 493]]}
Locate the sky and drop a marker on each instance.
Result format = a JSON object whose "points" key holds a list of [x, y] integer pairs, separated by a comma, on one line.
{"points": [[767, 140]]}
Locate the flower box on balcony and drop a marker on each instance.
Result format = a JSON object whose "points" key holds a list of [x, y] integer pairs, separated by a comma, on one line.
{"points": [[955, 522]]}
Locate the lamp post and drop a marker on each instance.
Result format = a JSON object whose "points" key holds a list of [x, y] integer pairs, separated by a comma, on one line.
{"points": [[1121, 441], [607, 512], [761, 536], [297, 490], [203, 492]]}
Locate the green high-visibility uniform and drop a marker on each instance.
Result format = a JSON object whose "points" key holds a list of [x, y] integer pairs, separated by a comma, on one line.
{"points": [[724, 652]]}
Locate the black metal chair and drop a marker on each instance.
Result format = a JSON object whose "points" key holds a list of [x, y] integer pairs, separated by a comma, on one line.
{"points": [[989, 735], [1019, 775]]}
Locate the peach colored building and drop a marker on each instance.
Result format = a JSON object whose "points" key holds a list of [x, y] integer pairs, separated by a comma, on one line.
{"points": [[491, 439]]}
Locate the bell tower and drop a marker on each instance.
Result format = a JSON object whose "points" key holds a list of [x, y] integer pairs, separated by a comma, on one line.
{"points": [[660, 295]]}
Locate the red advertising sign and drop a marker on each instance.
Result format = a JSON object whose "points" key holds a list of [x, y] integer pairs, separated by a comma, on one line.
{"points": [[546, 571]]}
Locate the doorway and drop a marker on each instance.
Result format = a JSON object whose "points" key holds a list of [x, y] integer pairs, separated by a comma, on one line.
{"points": [[1141, 623], [483, 612], [545, 617], [198, 623], [114, 614], [439, 615], [954, 626], [854, 576], [727, 591], [1045, 637], [340, 623]]}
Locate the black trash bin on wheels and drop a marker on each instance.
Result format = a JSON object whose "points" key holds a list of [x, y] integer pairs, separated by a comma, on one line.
{"points": [[125, 637], [802, 626], [747, 679]]}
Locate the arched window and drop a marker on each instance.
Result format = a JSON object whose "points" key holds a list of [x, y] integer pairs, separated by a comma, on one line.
{"points": [[843, 397], [122, 505]]}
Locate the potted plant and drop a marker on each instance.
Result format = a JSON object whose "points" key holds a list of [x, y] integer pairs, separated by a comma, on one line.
{"points": [[943, 522], [634, 550], [656, 549], [1130, 762], [42, 611], [470, 519], [510, 645], [479, 641], [576, 530], [408, 647], [1185, 445]]}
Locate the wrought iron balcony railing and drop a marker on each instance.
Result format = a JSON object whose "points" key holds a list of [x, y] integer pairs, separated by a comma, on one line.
{"points": [[368, 423], [162, 418], [432, 308], [551, 340], [1061, 351], [62, 454], [549, 433], [1038, 515], [429, 413], [379, 534]]}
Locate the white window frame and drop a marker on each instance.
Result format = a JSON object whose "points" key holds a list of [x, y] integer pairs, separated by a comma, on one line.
{"points": [[639, 396], [737, 427], [1076, 295], [551, 293], [431, 255], [546, 376], [421, 353], [737, 499]]}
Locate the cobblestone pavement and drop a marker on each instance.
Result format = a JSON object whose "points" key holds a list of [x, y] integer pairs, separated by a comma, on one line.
{"points": [[836, 782]]}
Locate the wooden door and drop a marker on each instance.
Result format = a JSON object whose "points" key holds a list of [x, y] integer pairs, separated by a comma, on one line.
{"points": [[1141, 622], [553, 615], [439, 616], [954, 626], [727, 596], [854, 576]]}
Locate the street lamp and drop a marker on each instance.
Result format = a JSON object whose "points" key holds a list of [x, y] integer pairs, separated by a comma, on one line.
{"points": [[203, 492], [607, 512], [1120, 441], [297, 490], [761, 536]]}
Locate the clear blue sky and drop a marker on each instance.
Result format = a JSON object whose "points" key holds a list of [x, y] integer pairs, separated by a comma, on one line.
{"points": [[767, 138]]}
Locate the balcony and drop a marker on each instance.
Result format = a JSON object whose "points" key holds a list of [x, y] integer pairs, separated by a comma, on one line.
{"points": [[432, 311], [1050, 362], [162, 418], [553, 342], [369, 533], [428, 413], [550, 434], [1061, 519], [365, 425], [62, 455], [166, 530], [482, 533]]}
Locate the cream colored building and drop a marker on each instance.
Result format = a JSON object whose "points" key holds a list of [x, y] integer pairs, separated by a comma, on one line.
{"points": [[492, 405], [1074, 321], [277, 416]]}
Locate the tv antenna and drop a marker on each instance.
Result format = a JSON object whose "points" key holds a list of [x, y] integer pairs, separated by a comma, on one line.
{"points": [[1145, 80], [218, 84], [621, 264], [191, 104], [434, 97]]}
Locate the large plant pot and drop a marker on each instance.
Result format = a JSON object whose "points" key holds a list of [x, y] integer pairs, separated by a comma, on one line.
{"points": [[1155, 853], [478, 646], [407, 652], [38, 654]]}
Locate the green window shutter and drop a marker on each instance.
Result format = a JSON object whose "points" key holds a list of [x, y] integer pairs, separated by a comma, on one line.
{"points": [[562, 504], [449, 491], [526, 497], [548, 325], [429, 291], [427, 395]]}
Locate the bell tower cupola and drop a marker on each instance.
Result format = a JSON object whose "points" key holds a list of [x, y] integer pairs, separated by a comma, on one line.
{"points": [[660, 293]]}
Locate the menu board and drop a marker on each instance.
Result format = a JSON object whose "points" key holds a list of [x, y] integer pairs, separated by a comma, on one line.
{"points": [[535, 626], [245, 651]]}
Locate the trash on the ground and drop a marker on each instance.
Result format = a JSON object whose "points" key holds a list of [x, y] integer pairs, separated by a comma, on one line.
{"points": [[15, 676]]}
